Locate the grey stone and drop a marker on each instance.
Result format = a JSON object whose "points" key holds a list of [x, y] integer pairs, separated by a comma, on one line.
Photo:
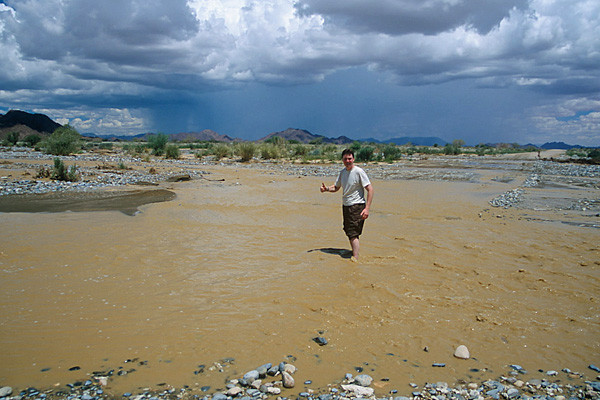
{"points": [[251, 376], [462, 352], [288, 381], [363, 380], [262, 370], [5, 391], [234, 391]]}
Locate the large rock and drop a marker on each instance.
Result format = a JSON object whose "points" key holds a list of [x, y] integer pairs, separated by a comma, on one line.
{"points": [[288, 381], [5, 391], [363, 380], [234, 391], [251, 376], [462, 352], [290, 369], [359, 391]]}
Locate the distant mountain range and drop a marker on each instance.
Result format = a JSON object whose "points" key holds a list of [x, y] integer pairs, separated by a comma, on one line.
{"points": [[26, 123], [414, 140], [205, 135]]}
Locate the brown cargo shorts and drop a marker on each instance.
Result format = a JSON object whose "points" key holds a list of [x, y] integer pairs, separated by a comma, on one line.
{"points": [[353, 222]]}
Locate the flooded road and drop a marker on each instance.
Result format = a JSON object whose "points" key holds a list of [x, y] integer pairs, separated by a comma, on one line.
{"points": [[254, 267]]}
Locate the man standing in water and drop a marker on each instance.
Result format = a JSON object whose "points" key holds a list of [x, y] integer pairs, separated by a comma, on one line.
{"points": [[354, 182]]}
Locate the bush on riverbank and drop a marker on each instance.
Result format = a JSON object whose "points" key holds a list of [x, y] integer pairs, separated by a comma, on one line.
{"points": [[277, 148], [59, 172], [172, 151], [592, 154], [246, 151], [63, 141], [158, 143]]}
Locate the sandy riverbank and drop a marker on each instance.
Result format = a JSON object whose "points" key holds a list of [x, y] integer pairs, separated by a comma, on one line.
{"points": [[252, 265]]}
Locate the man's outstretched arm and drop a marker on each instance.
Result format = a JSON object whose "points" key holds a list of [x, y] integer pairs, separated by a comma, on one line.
{"points": [[331, 188]]}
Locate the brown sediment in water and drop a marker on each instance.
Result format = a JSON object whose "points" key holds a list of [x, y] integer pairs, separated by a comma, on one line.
{"points": [[255, 266], [126, 201]]}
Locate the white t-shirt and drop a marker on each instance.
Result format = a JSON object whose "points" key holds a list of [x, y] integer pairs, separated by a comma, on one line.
{"points": [[353, 183]]}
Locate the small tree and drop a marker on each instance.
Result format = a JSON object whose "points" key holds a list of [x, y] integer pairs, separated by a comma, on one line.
{"points": [[13, 138], [365, 154], [32, 139], [451, 149], [172, 151], [391, 152], [63, 141], [158, 143]]}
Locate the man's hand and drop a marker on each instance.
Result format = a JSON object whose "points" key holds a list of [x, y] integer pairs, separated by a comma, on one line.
{"points": [[364, 213], [323, 188]]}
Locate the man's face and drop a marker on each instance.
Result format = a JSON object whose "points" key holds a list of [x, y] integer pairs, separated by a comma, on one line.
{"points": [[348, 160]]}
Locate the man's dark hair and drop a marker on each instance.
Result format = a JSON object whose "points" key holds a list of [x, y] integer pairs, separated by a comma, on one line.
{"points": [[348, 151]]}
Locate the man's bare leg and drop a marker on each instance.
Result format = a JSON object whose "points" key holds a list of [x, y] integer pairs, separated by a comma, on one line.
{"points": [[355, 244]]}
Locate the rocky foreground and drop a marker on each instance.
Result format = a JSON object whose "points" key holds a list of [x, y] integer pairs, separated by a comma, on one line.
{"points": [[101, 171], [273, 381]]}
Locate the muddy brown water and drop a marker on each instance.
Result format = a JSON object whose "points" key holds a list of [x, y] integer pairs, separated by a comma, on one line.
{"points": [[256, 266], [125, 201]]}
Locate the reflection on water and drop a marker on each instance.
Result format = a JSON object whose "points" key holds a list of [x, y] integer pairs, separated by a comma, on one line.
{"points": [[255, 270], [98, 200]]}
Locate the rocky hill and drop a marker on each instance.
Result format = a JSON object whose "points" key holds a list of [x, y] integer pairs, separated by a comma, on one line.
{"points": [[304, 136], [37, 122], [26, 124]]}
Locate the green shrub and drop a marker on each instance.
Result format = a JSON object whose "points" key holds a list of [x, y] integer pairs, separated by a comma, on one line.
{"points": [[246, 150], [63, 141], [13, 138], [451, 149], [355, 146], [221, 150], [391, 152], [61, 173], [106, 146], [32, 140], [277, 141], [365, 154], [158, 143], [299, 150], [140, 148], [269, 151], [172, 151], [201, 153]]}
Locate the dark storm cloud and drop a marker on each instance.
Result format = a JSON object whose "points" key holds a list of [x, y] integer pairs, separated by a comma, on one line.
{"points": [[131, 57], [396, 17]]}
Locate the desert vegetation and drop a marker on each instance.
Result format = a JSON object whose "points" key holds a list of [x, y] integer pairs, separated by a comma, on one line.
{"points": [[66, 140], [63, 141], [278, 149], [59, 172]]}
